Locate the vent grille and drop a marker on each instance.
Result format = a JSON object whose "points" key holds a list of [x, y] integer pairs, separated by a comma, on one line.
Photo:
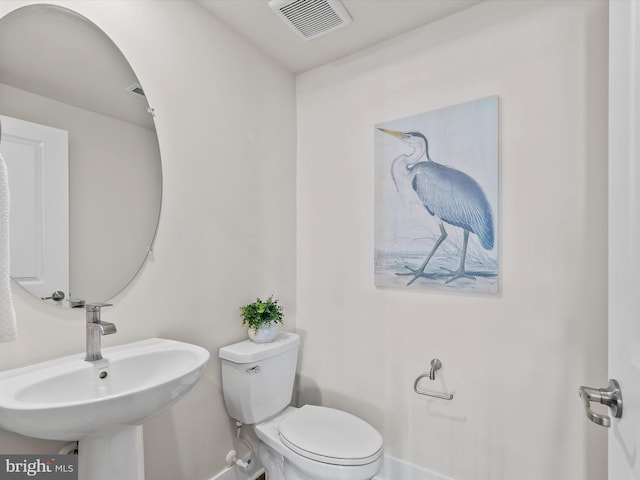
{"points": [[311, 18], [136, 89]]}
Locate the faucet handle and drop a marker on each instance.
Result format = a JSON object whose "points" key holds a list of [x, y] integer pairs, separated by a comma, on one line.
{"points": [[95, 307]]}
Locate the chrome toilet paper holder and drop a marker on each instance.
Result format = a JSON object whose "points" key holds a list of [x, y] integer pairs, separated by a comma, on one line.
{"points": [[436, 365]]}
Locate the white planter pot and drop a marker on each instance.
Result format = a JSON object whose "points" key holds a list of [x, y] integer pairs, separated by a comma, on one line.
{"points": [[264, 334]]}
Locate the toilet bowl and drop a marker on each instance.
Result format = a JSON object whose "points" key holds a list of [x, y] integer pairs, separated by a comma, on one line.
{"points": [[321, 443], [307, 443]]}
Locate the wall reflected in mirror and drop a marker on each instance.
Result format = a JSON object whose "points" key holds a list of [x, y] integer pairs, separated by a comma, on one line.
{"points": [[64, 85]]}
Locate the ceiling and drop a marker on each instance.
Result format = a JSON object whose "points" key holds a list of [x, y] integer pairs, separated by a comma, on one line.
{"points": [[33, 39], [374, 21]]}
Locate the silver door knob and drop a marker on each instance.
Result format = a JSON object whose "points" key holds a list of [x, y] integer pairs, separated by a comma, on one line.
{"points": [[610, 396], [56, 296]]}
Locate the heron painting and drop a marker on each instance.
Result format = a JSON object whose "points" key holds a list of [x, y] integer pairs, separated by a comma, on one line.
{"points": [[437, 199]]}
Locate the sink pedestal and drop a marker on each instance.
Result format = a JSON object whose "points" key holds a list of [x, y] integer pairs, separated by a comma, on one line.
{"points": [[115, 453]]}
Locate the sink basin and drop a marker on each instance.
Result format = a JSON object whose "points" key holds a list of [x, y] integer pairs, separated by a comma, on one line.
{"points": [[69, 399]]}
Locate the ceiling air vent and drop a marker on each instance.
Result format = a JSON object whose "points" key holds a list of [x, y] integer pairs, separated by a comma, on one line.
{"points": [[311, 18], [135, 89]]}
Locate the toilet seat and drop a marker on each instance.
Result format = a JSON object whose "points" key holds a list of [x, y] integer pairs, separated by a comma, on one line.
{"points": [[330, 436]]}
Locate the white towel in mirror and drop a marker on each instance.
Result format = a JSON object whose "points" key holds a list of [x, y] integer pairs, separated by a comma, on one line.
{"points": [[7, 313]]}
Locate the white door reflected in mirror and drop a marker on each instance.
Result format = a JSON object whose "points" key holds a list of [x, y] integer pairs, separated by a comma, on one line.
{"points": [[37, 160]]}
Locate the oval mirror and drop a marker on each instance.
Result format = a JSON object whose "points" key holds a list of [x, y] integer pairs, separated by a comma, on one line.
{"points": [[82, 154]]}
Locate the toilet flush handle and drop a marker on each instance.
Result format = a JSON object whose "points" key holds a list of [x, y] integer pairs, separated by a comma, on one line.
{"points": [[254, 369]]}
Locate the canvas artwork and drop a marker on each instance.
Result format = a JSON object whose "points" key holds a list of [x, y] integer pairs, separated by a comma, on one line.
{"points": [[436, 199]]}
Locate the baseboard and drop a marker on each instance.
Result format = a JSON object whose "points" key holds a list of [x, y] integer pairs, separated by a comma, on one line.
{"points": [[226, 474], [233, 473], [396, 469], [393, 469]]}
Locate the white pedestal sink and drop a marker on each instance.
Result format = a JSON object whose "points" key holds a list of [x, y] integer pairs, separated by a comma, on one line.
{"points": [[102, 404]]}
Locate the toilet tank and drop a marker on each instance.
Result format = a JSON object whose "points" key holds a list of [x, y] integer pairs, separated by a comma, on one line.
{"points": [[257, 378]]}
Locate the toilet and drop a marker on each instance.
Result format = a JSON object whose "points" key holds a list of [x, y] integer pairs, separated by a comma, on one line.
{"points": [[306, 443]]}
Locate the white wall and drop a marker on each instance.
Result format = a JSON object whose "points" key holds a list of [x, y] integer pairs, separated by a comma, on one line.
{"points": [[515, 359], [226, 126]]}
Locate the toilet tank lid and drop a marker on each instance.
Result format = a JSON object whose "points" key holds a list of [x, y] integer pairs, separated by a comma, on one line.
{"points": [[248, 351]]}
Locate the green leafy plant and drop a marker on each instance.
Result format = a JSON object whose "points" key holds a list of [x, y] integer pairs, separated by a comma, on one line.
{"points": [[259, 313]]}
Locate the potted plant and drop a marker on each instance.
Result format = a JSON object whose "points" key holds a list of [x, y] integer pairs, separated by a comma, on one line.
{"points": [[262, 319]]}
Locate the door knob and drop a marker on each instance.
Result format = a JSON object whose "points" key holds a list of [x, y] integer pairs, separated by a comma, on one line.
{"points": [[56, 296], [610, 396]]}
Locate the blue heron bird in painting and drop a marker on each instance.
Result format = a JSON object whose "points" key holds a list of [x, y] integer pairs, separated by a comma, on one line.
{"points": [[448, 194]]}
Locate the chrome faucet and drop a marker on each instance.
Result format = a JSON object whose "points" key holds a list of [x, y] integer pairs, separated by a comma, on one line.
{"points": [[95, 329]]}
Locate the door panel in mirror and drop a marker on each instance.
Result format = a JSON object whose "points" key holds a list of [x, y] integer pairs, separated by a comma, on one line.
{"points": [[37, 161]]}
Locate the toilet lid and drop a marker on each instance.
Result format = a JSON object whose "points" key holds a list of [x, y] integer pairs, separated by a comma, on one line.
{"points": [[330, 436]]}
